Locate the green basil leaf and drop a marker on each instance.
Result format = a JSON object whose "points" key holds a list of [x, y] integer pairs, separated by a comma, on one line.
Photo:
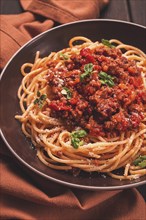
{"points": [[143, 157], [81, 143], [103, 82], [140, 161], [64, 56], [83, 75], [75, 142], [43, 97], [137, 161], [36, 101], [38, 93], [142, 164], [107, 43], [104, 75], [75, 138], [63, 92], [79, 133], [66, 92], [110, 83], [88, 68], [106, 79], [40, 100]]}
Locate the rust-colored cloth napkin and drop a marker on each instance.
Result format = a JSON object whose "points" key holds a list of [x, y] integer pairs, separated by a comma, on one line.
{"points": [[29, 197], [39, 16]]}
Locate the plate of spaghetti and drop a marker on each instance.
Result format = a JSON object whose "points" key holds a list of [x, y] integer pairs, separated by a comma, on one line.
{"points": [[75, 97]]}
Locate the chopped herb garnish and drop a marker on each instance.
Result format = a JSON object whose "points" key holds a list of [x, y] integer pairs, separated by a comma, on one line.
{"points": [[106, 79], [36, 101], [40, 100], [43, 97], [38, 93], [88, 68], [82, 76], [64, 56], [66, 92], [76, 142], [79, 133], [140, 161], [107, 43], [75, 138]]}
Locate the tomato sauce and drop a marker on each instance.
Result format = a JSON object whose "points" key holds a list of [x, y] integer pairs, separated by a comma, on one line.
{"points": [[99, 90]]}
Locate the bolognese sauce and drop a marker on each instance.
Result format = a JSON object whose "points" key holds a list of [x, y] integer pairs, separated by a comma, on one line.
{"points": [[99, 90], [84, 108]]}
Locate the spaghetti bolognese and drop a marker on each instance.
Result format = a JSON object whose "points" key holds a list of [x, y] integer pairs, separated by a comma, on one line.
{"points": [[84, 107]]}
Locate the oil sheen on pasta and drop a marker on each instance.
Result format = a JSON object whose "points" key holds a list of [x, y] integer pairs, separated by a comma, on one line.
{"points": [[84, 108]]}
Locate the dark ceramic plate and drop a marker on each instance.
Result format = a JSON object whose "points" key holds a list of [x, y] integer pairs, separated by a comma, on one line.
{"points": [[54, 40]]}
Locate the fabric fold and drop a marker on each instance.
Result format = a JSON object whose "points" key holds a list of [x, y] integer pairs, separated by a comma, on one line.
{"points": [[29, 195], [39, 16], [64, 11]]}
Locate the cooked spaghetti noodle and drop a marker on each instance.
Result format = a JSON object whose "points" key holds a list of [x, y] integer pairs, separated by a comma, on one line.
{"points": [[74, 111]]}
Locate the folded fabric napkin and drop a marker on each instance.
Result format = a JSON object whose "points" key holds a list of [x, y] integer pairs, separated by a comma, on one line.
{"points": [[25, 196], [39, 16]]}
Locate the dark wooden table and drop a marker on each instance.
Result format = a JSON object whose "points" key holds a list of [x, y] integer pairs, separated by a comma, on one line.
{"points": [[126, 10]]}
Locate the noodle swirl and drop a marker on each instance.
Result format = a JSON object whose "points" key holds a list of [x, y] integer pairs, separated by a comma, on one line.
{"points": [[51, 136]]}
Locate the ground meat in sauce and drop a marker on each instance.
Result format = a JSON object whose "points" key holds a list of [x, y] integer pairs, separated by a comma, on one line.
{"points": [[92, 105]]}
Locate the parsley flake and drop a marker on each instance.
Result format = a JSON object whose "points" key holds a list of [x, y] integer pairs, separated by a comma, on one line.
{"points": [[75, 138], [106, 79], [66, 92], [88, 68], [40, 100], [107, 43], [63, 56], [140, 161]]}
